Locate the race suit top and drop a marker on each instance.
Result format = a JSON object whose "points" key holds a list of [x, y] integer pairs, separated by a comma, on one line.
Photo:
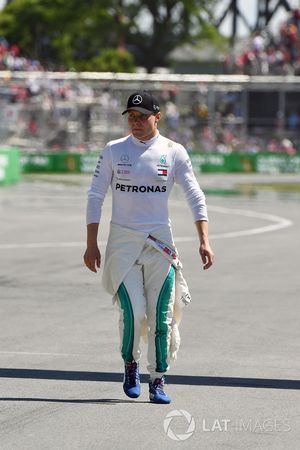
{"points": [[141, 175]]}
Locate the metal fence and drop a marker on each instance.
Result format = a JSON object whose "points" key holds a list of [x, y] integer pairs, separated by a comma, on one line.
{"points": [[82, 111]]}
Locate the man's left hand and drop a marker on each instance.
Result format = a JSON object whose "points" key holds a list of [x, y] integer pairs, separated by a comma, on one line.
{"points": [[207, 255]]}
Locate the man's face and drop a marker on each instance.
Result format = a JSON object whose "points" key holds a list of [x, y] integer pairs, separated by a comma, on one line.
{"points": [[143, 126]]}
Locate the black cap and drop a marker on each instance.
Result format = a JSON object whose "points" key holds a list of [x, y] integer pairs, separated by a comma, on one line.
{"points": [[142, 101]]}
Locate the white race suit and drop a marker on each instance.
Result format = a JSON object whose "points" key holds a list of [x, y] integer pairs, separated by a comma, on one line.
{"points": [[141, 263]]}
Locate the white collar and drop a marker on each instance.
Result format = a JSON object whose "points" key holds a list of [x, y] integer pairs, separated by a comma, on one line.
{"points": [[144, 143]]}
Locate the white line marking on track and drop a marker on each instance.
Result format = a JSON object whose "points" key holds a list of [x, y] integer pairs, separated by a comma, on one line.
{"points": [[45, 354], [278, 224], [44, 245]]}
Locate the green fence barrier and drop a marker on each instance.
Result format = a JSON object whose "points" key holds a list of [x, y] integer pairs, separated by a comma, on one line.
{"points": [[59, 162], [268, 163], [244, 162], [9, 166], [37, 163], [51, 162], [202, 162], [216, 162], [88, 162]]}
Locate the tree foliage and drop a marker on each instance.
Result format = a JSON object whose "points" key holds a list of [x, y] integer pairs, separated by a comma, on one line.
{"points": [[172, 24], [105, 34]]}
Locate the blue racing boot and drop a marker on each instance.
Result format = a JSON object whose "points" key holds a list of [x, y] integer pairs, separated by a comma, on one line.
{"points": [[156, 391], [131, 385]]}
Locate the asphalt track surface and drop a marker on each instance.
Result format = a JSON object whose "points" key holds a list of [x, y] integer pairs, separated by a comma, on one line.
{"points": [[236, 382]]}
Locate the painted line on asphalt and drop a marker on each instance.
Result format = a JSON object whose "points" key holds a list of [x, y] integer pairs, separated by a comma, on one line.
{"points": [[45, 353], [278, 223], [33, 245]]}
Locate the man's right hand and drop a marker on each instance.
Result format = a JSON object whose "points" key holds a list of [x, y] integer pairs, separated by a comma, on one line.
{"points": [[92, 258]]}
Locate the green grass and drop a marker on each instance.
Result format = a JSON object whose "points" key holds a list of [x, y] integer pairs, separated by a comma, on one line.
{"points": [[222, 191], [278, 187]]}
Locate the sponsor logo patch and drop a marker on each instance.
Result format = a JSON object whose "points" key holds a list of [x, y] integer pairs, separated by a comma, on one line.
{"points": [[137, 99], [96, 173], [123, 172], [124, 158], [162, 172], [163, 159], [142, 189]]}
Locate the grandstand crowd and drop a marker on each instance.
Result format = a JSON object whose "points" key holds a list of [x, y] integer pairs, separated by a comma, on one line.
{"points": [[78, 116], [268, 53], [12, 59]]}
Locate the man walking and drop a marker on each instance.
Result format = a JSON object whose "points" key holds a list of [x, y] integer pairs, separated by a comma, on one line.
{"points": [[142, 270]]}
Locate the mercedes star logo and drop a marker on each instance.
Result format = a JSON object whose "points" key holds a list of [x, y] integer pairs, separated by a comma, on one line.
{"points": [[137, 99], [124, 158]]}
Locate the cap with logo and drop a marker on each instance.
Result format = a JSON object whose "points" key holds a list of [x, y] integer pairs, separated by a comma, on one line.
{"points": [[143, 102]]}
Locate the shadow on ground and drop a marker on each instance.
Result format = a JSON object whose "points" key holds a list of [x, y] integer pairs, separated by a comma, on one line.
{"points": [[265, 383]]}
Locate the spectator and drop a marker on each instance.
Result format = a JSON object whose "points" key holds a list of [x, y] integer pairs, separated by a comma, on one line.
{"points": [[268, 54], [12, 59], [172, 115]]}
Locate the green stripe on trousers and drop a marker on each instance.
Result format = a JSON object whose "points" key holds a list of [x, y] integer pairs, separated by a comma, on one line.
{"points": [[161, 332], [128, 323]]}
